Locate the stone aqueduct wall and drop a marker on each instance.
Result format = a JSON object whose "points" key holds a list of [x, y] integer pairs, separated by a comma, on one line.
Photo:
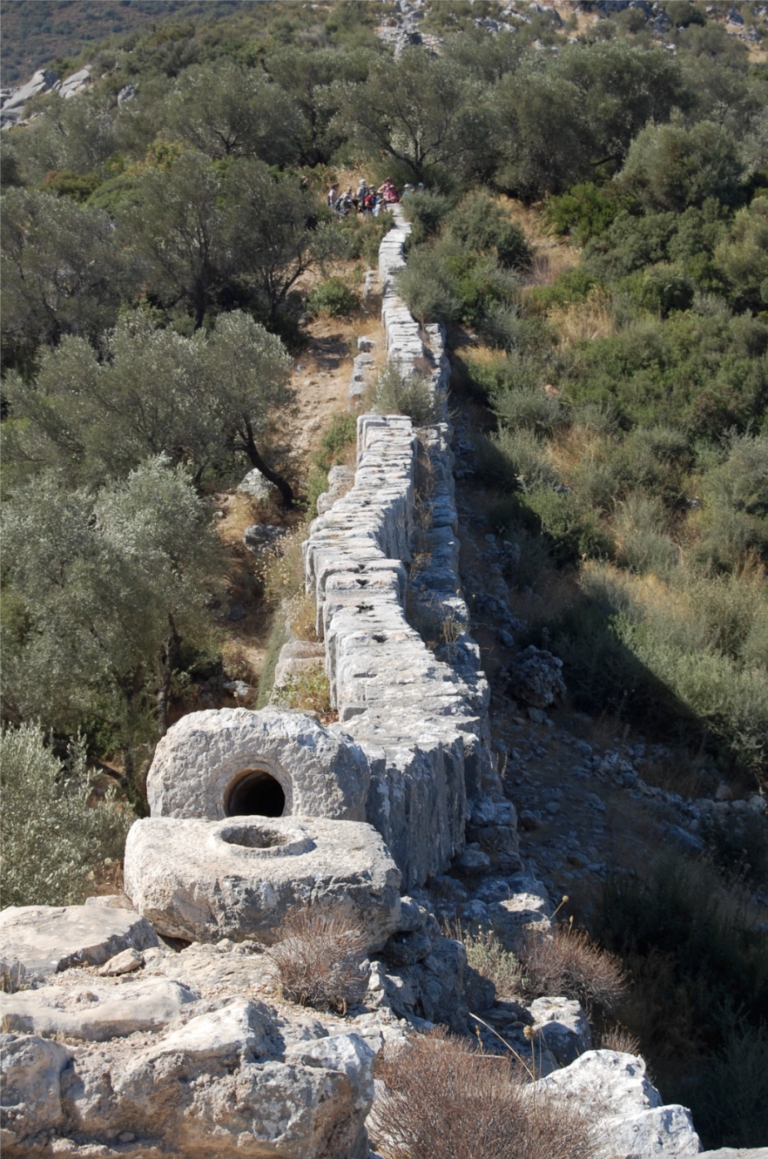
{"points": [[411, 753], [388, 544]]}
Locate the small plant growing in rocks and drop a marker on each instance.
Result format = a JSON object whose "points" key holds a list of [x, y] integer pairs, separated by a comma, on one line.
{"points": [[395, 393], [570, 963], [318, 960], [442, 1098], [486, 954]]}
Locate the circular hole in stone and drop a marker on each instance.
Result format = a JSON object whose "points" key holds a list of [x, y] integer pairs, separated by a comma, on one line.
{"points": [[255, 793], [253, 838]]}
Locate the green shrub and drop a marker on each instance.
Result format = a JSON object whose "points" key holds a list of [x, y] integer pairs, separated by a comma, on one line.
{"points": [[341, 431], [693, 958], [426, 211], [573, 530], [51, 836], [585, 211], [530, 409], [396, 394], [427, 287], [333, 297], [480, 224]]}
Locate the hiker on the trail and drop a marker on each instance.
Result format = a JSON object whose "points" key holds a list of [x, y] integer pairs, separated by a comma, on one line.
{"points": [[332, 199], [369, 200], [388, 192], [362, 189]]}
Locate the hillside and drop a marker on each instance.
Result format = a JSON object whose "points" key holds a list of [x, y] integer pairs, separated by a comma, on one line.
{"points": [[53, 33]]}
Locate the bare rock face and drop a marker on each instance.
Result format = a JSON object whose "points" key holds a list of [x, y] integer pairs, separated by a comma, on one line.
{"points": [[214, 764], [48, 939], [239, 878], [30, 1073]]}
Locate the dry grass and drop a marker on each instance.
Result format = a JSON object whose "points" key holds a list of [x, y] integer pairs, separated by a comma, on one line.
{"points": [[281, 568], [583, 320], [569, 963], [443, 1098], [318, 958], [617, 1037]]}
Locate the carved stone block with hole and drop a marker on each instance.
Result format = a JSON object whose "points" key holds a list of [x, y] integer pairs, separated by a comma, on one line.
{"points": [[233, 762], [239, 878]]}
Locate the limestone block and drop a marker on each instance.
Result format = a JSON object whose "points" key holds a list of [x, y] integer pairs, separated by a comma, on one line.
{"points": [[220, 762], [48, 939], [239, 878], [30, 1087], [633, 1124], [95, 1013], [257, 486]]}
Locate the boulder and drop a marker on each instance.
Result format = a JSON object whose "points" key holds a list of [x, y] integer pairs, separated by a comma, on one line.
{"points": [[239, 878], [535, 677], [257, 486], [43, 80], [259, 536], [229, 761], [95, 1013], [48, 939], [613, 1088]]}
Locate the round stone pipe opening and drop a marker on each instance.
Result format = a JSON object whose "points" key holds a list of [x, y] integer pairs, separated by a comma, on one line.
{"points": [[255, 793]]}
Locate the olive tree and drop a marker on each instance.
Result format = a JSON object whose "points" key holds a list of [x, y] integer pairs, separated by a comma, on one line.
{"points": [[154, 391], [224, 109], [174, 227], [51, 835], [272, 225], [103, 593], [418, 112], [62, 271]]}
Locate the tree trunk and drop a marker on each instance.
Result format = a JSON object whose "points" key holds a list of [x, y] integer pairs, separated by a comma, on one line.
{"points": [[131, 689], [251, 450], [170, 661]]}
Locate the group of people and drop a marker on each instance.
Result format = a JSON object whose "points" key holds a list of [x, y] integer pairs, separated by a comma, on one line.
{"points": [[367, 199]]}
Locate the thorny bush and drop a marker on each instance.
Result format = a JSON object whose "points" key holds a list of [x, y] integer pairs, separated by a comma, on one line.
{"points": [[318, 959], [443, 1098]]}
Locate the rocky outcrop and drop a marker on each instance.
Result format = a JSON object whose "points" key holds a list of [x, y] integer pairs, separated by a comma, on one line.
{"points": [[240, 878]]}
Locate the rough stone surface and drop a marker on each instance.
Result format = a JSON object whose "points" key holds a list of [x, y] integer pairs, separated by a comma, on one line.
{"points": [[30, 1089], [123, 963], [260, 536], [561, 1025], [535, 677], [239, 878], [633, 1123], [204, 755], [95, 1013], [49, 939], [255, 485]]}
